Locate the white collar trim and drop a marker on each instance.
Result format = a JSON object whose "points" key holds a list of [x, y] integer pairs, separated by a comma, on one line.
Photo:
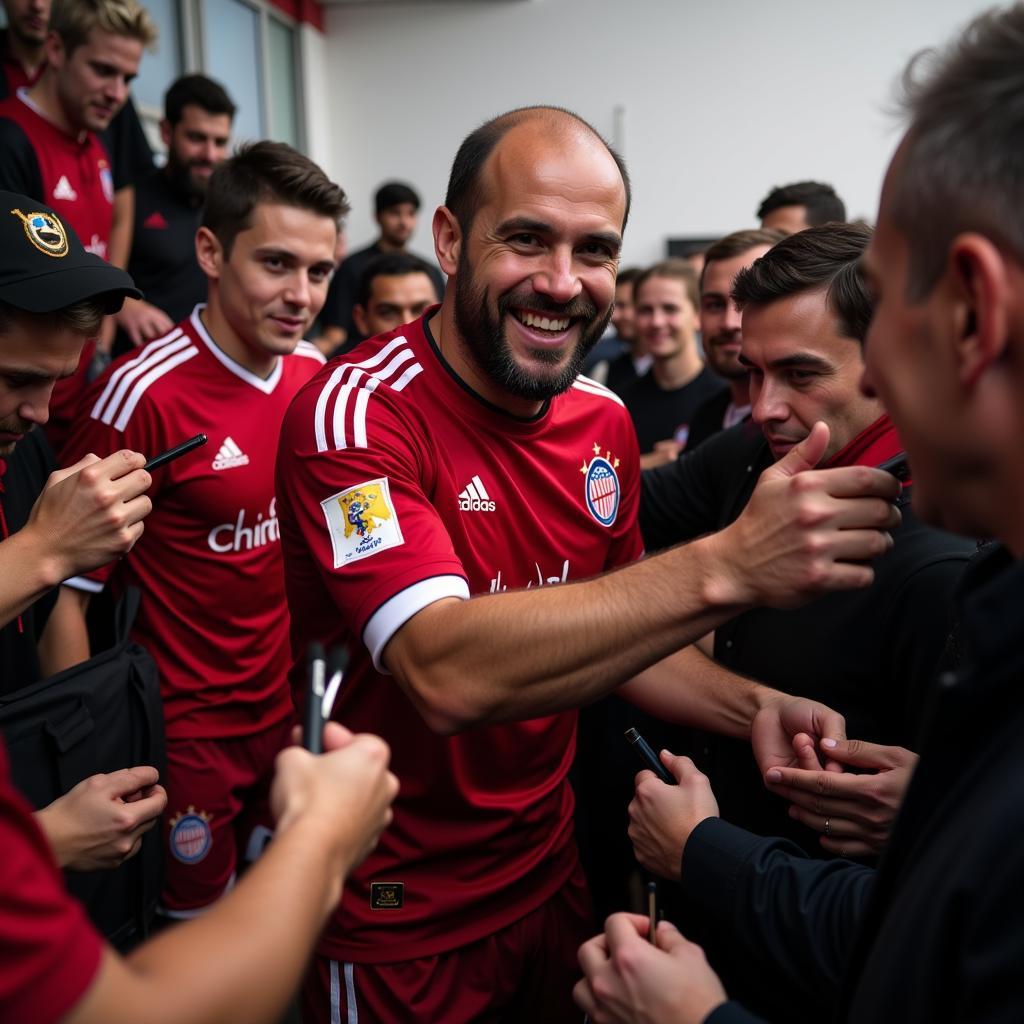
{"points": [[266, 386]]}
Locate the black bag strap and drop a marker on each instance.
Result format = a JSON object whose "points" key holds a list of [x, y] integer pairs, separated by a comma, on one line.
{"points": [[125, 614], [149, 858]]}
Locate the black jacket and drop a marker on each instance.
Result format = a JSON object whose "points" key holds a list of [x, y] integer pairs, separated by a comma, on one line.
{"points": [[937, 934], [870, 654]]}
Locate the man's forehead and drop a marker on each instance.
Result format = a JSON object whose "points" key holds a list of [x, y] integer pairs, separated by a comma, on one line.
{"points": [[538, 164], [799, 324], [31, 351], [662, 287], [304, 226], [415, 282], [110, 46], [718, 274], [198, 116]]}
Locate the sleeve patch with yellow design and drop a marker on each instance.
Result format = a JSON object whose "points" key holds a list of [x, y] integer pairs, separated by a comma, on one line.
{"points": [[361, 521]]}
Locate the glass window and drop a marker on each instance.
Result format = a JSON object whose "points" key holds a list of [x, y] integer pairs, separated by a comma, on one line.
{"points": [[231, 35], [163, 65], [283, 75]]}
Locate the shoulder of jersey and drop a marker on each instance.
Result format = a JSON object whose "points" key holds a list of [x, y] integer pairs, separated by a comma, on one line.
{"points": [[348, 390], [308, 350], [585, 386], [128, 380]]}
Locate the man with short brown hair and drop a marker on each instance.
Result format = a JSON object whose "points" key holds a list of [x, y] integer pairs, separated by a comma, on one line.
{"points": [[720, 332], [209, 568]]}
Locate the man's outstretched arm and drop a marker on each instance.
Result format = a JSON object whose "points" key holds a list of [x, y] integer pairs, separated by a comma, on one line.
{"points": [[523, 654], [243, 959]]}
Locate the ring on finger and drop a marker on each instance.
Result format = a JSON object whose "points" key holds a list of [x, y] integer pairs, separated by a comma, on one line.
{"points": [[828, 826]]}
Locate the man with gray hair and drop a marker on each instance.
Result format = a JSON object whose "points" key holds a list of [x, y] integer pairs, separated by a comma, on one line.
{"points": [[937, 933]]}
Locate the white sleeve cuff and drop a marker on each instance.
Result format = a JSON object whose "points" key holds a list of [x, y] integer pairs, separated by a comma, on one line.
{"points": [[82, 583], [396, 612]]}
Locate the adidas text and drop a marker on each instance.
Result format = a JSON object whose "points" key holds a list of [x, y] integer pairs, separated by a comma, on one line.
{"points": [[475, 505]]}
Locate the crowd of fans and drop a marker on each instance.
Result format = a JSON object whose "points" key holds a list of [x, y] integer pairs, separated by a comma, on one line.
{"points": [[538, 500]]}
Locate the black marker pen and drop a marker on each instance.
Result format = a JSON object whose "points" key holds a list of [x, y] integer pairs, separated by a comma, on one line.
{"points": [[175, 453], [649, 757]]}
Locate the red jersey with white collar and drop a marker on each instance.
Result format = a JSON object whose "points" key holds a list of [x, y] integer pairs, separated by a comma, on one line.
{"points": [[74, 171], [213, 613], [397, 487]]}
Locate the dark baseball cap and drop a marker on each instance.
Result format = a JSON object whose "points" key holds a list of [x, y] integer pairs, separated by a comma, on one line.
{"points": [[43, 265]]}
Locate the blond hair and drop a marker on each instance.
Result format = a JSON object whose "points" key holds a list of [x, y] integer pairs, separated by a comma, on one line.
{"points": [[73, 20]]}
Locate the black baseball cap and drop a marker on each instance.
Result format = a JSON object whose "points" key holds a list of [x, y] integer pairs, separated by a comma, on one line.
{"points": [[43, 265]]}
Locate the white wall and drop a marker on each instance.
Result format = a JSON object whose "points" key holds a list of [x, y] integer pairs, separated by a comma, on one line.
{"points": [[722, 98]]}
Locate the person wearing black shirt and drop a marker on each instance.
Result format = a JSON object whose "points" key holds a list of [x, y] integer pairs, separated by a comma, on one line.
{"points": [[937, 933], [168, 207], [396, 207], [720, 331], [662, 401]]}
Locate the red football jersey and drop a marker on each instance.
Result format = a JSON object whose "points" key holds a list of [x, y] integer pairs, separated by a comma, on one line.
{"points": [[49, 952], [398, 487], [213, 613], [77, 179]]}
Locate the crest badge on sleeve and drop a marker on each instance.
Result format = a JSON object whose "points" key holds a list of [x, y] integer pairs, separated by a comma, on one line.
{"points": [[601, 490], [361, 521]]}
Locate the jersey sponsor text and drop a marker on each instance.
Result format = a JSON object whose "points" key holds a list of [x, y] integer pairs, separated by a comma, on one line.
{"points": [[236, 536]]}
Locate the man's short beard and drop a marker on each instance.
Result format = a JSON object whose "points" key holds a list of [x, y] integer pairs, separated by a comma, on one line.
{"points": [[31, 41], [733, 368], [485, 339], [181, 175]]}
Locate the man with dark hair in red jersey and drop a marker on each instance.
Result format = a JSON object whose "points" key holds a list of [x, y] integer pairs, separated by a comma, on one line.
{"points": [[209, 567]]}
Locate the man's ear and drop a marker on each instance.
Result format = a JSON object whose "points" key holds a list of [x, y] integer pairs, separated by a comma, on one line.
{"points": [[209, 253], [165, 132], [981, 290], [447, 239], [359, 319], [54, 49]]}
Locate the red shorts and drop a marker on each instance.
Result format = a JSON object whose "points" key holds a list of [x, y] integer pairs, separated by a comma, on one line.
{"points": [[525, 972], [218, 814]]}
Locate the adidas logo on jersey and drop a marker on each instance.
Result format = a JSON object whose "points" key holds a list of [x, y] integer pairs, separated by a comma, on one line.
{"points": [[63, 190], [156, 220], [230, 456], [475, 497]]}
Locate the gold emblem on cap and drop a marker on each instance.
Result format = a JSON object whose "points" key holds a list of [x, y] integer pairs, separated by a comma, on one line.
{"points": [[45, 232]]}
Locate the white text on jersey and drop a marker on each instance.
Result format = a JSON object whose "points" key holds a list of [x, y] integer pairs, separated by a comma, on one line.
{"points": [[497, 585], [474, 498], [237, 536]]}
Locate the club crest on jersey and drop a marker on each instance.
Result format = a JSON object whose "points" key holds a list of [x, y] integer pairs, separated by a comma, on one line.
{"points": [[45, 232], [361, 521], [601, 487], [191, 837], [106, 181]]}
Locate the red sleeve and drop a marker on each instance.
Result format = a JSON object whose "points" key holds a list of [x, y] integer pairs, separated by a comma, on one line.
{"points": [[365, 518], [49, 952]]}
